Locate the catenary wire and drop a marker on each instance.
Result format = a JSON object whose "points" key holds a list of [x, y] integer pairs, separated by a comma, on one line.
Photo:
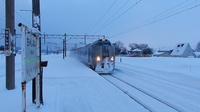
{"points": [[115, 13], [119, 16], [163, 14], [2, 19], [22, 17], [155, 21], [103, 16], [19, 15]]}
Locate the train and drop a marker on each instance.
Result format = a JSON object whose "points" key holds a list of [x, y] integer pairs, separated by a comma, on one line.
{"points": [[99, 55]]}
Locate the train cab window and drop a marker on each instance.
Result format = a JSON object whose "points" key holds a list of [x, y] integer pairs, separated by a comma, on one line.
{"points": [[102, 42]]}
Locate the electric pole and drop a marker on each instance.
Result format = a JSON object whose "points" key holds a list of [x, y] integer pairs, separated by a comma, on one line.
{"points": [[36, 23], [10, 60]]}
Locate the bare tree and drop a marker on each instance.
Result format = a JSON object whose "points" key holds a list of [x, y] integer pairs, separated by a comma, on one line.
{"points": [[119, 47], [144, 47], [133, 46]]}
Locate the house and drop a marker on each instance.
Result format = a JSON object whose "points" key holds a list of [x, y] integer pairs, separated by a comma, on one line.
{"points": [[135, 53], [183, 50], [162, 53], [197, 54]]}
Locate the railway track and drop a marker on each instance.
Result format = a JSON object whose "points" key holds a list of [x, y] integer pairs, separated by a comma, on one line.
{"points": [[147, 100]]}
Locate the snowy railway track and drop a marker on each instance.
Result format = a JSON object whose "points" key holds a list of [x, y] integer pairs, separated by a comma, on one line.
{"points": [[150, 102], [176, 85]]}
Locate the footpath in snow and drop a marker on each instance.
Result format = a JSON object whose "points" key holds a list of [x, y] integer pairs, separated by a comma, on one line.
{"points": [[68, 86]]}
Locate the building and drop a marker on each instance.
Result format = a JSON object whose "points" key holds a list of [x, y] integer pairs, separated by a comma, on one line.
{"points": [[162, 53], [183, 50], [135, 53]]}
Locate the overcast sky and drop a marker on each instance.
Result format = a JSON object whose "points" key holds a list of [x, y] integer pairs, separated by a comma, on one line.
{"points": [[160, 24]]}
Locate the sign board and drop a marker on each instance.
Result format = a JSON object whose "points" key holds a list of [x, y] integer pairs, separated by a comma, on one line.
{"points": [[7, 42], [30, 58]]}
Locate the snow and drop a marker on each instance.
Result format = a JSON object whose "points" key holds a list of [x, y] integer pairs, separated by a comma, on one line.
{"points": [[70, 86]]}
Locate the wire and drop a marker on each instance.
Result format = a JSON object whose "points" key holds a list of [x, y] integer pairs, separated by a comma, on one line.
{"points": [[115, 13], [17, 14], [163, 14], [2, 14], [155, 20], [119, 15], [2, 19], [22, 17], [103, 16]]}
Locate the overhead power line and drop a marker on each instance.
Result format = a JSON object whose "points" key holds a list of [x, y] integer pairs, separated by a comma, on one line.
{"points": [[23, 18], [119, 16], [17, 14], [1, 13], [116, 12], [103, 16], [166, 14], [2, 19]]}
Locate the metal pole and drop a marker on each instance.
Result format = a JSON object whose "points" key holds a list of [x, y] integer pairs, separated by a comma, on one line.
{"points": [[63, 48], [47, 51], [23, 96], [37, 24], [10, 60], [65, 42], [85, 39], [44, 38]]}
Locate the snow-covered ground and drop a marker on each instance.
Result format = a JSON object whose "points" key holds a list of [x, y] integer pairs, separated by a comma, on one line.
{"points": [[70, 86]]}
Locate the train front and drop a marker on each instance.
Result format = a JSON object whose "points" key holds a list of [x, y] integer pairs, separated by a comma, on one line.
{"points": [[103, 56]]}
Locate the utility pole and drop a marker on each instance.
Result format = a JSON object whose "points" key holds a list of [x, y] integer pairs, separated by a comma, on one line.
{"points": [[37, 24], [10, 60], [85, 39], [65, 47]]}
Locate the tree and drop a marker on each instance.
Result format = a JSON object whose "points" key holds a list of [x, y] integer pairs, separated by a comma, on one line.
{"points": [[147, 51], [119, 47], [144, 47], [133, 46], [198, 47], [138, 46]]}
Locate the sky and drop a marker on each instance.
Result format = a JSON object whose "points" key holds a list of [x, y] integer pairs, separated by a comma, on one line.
{"points": [[160, 24]]}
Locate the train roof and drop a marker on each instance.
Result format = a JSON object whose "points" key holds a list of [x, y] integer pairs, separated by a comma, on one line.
{"points": [[102, 42]]}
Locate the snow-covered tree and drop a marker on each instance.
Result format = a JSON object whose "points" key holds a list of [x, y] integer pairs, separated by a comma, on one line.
{"points": [[147, 51], [119, 47], [144, 47], [133, 46], [138, 46]]}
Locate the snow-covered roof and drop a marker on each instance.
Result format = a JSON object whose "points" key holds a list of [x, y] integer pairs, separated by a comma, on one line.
{"points": [[138, 50], [158, 53], [179, 49], [183, 50], [197, 54]]}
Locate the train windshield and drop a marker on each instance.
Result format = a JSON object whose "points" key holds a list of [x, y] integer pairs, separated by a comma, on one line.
{"points": [[102, 42], [105, 51]]}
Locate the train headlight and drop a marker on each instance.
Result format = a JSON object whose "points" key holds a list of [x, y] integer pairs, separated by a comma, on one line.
{"points": [[98, 58], [112, 58]]}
